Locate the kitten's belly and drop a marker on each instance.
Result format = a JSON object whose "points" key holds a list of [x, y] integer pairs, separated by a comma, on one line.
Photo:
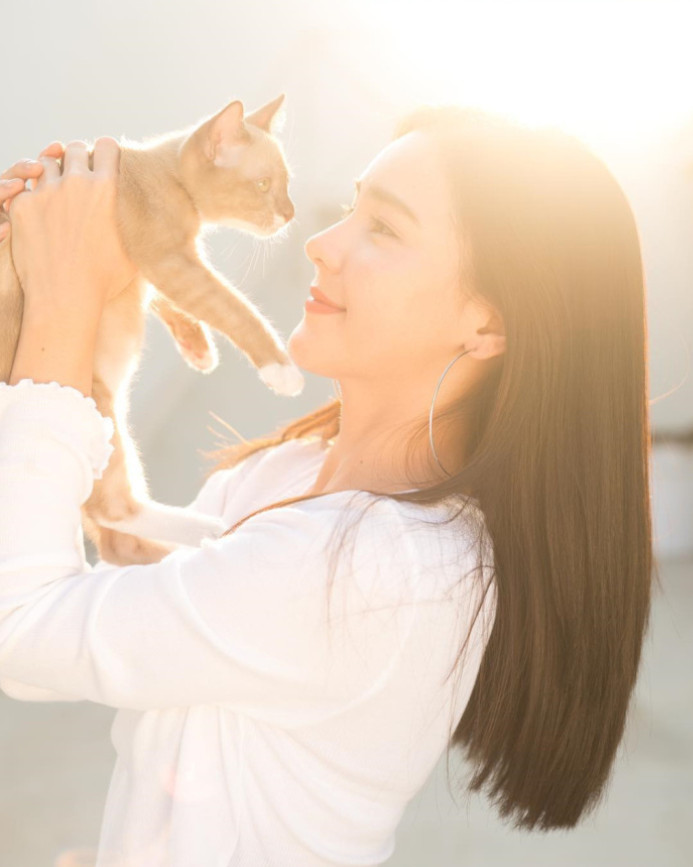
{"points": [[120, 337]]}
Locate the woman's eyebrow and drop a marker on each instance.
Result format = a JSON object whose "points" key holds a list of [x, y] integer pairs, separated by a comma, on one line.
{"points": [[386, 196]]}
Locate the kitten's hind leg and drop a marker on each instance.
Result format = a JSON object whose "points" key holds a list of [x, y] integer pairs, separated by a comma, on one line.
{"points": [[124, 549], [120, 503], [167, 523], [194, 340]]}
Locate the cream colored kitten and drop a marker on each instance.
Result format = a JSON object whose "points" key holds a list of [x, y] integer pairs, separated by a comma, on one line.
{"points": [[228, 170]]}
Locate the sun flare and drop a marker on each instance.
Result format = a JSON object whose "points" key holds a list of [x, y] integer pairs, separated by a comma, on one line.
{"points": [[603, 70]]}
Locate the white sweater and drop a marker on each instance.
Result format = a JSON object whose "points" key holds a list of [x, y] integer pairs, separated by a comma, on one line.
{"points": [[255, 728]]}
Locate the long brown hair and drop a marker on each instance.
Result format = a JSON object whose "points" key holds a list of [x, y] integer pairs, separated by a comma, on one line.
{"points": [[558, 459]]}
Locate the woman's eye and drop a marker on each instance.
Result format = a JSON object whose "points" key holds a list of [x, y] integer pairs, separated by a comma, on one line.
{"points": [[264, 184], [383, 228], [379, 227]]}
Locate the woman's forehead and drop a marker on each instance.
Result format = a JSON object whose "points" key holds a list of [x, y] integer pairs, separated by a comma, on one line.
{"points": [[410, 168]]}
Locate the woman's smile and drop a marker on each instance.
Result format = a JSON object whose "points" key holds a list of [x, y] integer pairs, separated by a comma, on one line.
{"points": [[313, 306], [318, 302]]}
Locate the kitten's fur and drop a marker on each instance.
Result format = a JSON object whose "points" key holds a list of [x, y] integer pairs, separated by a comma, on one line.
{"points": [[167, 189]]}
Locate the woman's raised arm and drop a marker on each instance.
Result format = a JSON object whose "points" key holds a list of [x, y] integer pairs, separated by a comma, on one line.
{"points": [[242, 620]]}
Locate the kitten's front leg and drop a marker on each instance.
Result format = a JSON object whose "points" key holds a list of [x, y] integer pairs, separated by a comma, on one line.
{"points": [[193, 338], [195, 287]]}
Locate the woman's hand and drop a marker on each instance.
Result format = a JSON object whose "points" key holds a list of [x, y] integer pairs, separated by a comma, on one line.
{"points": [[23, 171], [66, 246]]}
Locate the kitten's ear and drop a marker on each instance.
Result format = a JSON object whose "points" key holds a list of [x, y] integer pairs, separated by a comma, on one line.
{"points": [[266, 117], [226, 129]]}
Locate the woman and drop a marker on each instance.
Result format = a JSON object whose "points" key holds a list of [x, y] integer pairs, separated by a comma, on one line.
{"points": [[489, 280]]}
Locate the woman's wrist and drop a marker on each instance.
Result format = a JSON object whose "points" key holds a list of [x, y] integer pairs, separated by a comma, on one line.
{"points": [[56, 346]]}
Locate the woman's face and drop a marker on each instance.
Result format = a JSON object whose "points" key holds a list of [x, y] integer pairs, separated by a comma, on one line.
{"points": [[393, 263]]}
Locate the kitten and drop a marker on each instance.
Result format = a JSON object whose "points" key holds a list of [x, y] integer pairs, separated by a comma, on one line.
{"points": [[229, 170]]}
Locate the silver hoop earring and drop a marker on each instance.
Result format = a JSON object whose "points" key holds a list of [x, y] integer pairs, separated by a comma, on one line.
{"points": [[430, 415]]}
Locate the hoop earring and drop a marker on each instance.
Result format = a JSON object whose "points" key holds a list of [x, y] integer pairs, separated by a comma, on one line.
{"points": [[338, 388], [430, 415]]}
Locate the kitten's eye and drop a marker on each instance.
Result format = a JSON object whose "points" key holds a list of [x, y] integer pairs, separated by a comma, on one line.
{"points": [[264, 184]]}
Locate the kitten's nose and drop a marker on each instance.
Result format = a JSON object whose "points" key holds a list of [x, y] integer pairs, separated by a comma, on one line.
{"points": [[287, 211]]}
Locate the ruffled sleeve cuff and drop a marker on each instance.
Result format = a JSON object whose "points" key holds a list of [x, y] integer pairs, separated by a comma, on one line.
{"points": [[71, 415]]}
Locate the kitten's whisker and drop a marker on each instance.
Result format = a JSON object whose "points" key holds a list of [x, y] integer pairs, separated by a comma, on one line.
{"points": [[233, 240], [259, 248], [250, 263], [257, 251]]}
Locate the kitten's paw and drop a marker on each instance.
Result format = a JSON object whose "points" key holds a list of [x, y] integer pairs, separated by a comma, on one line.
{"points": [[124, 549], [168, 524], [284, 379], [204, 358], [195, 342]]}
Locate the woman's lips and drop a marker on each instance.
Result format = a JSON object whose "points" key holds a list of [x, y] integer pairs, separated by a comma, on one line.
{"points": [[319, 295], [320, 303], [313, 306]]}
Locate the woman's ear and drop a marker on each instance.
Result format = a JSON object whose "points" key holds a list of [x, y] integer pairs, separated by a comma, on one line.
{"points": [[489, 339], [489, 346]]}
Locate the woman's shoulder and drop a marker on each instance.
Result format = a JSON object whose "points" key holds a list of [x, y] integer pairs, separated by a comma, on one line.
{"points": [[272, 453], [405, 546], [286, 470], [266, 475]]}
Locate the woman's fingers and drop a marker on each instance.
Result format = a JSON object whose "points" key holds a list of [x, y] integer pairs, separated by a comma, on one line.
{"points": [[51, 171], [8, 189], [106, 156], [66, 244], [24, 169], [27, 169], [26, 173], [54, 149], [76, 158]]}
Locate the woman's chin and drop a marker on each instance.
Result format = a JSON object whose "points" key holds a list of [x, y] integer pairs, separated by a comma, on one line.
{"points": [[299, 349], [303, 352]]}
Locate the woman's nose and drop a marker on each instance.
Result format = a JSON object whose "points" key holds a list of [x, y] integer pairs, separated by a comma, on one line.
{"points": [[323, 247]]}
